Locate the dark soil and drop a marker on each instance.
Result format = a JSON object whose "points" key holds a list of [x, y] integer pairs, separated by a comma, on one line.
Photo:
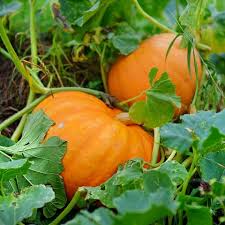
{"points": [[13, 92]]}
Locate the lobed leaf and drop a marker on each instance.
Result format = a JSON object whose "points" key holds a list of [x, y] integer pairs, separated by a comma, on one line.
{"points": [[204, 130], [159, 106], [212, 166], [13, 209], [46, 157]]}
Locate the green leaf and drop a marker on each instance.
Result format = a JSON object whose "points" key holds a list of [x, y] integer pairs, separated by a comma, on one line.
{"points": [[138, 207], [73, 10], [5, 141], [159, 106], [133, 207], [204, 130], [13, 209], [198, 215], [124, 38], [212, 166], [176, 137], [193, 14], [11, 169], [101, 216], [45, 156], [128, 177], [20, 21], [39, 124], [98, 8], [154, 180], [176, 171], [152, 74], [140, 196], [8, 6]]}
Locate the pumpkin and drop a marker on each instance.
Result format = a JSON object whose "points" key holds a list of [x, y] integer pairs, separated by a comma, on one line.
{"points": [[97, 141], [128, 77]]}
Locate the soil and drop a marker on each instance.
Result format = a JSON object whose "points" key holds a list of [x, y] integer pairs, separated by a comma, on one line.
{"points": [[13, 92]]}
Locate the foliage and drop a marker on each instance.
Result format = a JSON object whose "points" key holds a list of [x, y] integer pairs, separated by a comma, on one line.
{"points": [[160, 98], [77, 42], [36, 163]]}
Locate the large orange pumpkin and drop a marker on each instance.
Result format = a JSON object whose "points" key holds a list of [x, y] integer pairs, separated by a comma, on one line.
{"points": [[97, 141], [128, 77]]}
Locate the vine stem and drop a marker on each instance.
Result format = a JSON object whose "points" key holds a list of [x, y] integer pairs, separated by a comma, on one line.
{"points": [[34, 56], [68, 208], [174, 152], [5, 53], [187, 161], [151, 19], [34, 84], [162, 26], [191, 172], [133, 98], [30, 107], [156, 145], [103, 73]]}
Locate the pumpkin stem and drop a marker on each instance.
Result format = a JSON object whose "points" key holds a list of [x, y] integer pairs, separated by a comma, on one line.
{"points": [[125, 118]]}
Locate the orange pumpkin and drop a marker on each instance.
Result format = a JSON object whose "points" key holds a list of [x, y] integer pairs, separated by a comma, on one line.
{"points": [[128, 77], [97, 141]]}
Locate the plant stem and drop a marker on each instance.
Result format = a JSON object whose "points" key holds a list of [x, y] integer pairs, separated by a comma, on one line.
{"points": [[68, 208], [5, 53], [34, 84], [151, 19], [156, 145], [34, 56], [164, 28], [191, 172], [103, 73], [17, 133], [187, 161], [133, 98], [30, 107], [174, 152], [33, 35]]}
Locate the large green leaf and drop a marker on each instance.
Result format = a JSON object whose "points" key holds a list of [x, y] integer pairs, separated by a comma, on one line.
{"points": [[5, 141], [101, 216], [204, 130], [176, 171], [131, 177], [124, 38], [155, 180], [133, 207], [8, 6], [45, 156], [212, 166], [96, 12], [138, 207], [128, 177], [13, 209], [9, 170], [159, 106], [12, 169], [198, 215], [73, 10]]}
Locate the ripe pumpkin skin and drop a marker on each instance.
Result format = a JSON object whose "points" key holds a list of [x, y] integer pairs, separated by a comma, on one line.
{"points": [[97, 142], [128, 77]]}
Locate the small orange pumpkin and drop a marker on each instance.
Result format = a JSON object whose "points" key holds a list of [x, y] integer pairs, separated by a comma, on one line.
{"points": [[97, 141], [128, 77]]}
